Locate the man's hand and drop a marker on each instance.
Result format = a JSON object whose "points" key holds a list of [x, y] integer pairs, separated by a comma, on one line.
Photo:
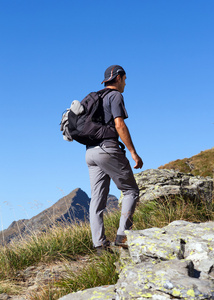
{"points": [[138, 160]]}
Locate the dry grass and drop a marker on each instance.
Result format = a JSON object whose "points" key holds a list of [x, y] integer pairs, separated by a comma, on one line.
{"points": [[201, 164], [161, 212], [59, 242]]}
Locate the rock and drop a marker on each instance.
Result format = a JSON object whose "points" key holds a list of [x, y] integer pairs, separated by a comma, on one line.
{"points": [[176, 260], [173, 262], [98, 293], [4, 296], [164, 278], [155, 183]]}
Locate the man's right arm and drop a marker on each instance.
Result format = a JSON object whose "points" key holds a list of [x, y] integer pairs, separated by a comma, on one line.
{"points": [[125, 136]]}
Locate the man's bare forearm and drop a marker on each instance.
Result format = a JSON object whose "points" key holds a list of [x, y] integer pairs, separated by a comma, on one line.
{"points": [[125, 136]]}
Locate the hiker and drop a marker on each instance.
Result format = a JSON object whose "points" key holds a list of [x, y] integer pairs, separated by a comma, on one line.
{"points": [[107, 160]]}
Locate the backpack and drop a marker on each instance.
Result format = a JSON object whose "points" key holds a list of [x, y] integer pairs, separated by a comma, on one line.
{"points": [[84, 121]]}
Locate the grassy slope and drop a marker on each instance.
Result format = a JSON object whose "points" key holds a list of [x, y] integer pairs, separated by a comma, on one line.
{"points": [[201, 164], [66, 243]]}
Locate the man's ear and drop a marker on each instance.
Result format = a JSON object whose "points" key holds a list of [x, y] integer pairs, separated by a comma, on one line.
{"points": [[118, 78]]}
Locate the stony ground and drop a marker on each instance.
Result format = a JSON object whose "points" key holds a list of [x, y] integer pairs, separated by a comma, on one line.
{"points": [[33, 279], [172, 262]]}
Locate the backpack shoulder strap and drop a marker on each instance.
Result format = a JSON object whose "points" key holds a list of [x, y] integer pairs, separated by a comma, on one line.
{"points": [[102, 93]]}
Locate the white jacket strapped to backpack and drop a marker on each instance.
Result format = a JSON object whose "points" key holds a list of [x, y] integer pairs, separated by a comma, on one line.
{"points": [[77, 108]]}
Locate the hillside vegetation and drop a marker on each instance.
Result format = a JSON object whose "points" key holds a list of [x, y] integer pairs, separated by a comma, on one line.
{"points": [[201, 164], [69, 244], [68, 247]]}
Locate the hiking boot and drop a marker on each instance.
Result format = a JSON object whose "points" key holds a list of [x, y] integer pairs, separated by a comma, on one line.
{"points": [[121, 241], [104, 247]]}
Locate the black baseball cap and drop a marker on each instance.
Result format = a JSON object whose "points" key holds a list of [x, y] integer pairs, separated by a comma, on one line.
{"points": [[112, 72]]}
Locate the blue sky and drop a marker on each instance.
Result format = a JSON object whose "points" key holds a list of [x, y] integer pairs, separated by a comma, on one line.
{"points": [[53, 52]]}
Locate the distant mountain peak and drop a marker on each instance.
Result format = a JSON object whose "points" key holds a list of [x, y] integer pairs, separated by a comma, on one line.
{"points": [[70, 208]]}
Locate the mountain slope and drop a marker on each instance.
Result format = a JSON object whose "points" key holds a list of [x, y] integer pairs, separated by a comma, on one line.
{"points": [[201, 164], [72, 208]]}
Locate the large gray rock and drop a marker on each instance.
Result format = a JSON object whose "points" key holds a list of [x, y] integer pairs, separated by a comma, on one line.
{"points": [[155, 183], [163, 280], [174, 262], [98, 293]]}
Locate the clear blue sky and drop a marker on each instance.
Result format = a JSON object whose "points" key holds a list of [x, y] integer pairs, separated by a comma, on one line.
{"points": [[53, 52]]}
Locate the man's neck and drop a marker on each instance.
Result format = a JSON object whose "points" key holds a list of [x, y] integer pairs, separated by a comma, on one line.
{"points": [[111, 87]]}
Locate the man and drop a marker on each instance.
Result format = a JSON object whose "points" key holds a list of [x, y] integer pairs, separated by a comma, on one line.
{"points": [[107, 161]]}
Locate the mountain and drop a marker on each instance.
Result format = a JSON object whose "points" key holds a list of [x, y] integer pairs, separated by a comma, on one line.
{"points": [[73, 207], [201, 164]]}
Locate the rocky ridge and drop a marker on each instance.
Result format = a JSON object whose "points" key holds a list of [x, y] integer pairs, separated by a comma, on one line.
{"points": [[173, 262]]}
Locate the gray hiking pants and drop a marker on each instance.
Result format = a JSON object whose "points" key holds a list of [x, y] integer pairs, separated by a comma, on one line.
{"points": [[105, 164]]}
